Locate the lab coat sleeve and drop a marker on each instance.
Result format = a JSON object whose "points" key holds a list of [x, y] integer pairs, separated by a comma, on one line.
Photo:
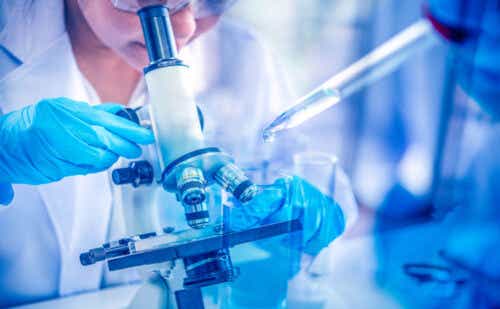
{"points": [[7, 64], [485, 180], [473, 241]]}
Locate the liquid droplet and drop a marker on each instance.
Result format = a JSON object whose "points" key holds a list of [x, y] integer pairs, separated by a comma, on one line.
{"points": [[268, 136]]}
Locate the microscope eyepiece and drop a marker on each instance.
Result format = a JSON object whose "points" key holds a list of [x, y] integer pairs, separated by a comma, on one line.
{"points": [[158, 33]]}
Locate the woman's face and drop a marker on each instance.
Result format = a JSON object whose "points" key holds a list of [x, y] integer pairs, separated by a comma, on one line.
{"points": [[121, 31]]}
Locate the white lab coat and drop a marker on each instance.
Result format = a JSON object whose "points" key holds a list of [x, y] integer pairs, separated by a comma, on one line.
{"points": [[46, 227]]}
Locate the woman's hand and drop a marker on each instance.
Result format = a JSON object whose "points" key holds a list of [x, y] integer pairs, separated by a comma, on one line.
{"points": [[294, 198], [56, 138]]}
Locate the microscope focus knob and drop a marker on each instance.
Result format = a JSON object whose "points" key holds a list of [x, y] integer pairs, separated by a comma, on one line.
{"points": [[93, 256], [137, 173]]}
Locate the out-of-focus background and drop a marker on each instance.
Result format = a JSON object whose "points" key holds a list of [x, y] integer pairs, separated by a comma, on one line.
{"points": [[404, 141], [379, 131]]}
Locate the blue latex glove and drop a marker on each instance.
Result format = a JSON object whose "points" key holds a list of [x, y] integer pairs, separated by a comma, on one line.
{"points": [[477, 24], [6, 193], [288, 198], [56, 138], [291, 198]]}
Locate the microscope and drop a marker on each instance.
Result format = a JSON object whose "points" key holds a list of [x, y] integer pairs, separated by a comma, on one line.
{"points": [[187, 167], [187, 164]]}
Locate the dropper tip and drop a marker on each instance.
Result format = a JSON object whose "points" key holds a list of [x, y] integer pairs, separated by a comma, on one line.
{"points": [[268, 135]]}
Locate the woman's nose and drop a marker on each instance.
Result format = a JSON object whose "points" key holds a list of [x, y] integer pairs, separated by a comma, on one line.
{"points": [[184, 25]]}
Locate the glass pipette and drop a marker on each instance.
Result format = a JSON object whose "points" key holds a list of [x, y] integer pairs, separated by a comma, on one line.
{"points": [[377, 64]]}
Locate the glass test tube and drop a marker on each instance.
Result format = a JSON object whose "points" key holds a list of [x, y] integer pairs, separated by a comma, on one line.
{"points": [[367, 70]]}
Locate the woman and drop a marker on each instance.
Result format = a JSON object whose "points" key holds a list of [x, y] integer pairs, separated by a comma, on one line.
{"points": [[93, 51]]}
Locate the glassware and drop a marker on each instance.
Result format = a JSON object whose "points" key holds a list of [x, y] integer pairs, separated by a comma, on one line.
{"points": [[318, 168], [308, 289], [364, 72], [201, 8]]}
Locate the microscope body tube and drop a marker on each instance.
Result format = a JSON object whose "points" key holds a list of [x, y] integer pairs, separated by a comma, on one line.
{"points": [[174, 115], [175, 122]]}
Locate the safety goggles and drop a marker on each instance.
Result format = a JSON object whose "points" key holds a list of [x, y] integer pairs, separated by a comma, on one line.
{"points": [[201, 8]]}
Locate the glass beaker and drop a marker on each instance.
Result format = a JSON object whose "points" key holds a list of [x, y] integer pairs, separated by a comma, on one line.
{"points": [[318, 168], [307, 289]]}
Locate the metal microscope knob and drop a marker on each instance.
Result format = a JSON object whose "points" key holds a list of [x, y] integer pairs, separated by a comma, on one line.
{"points": [[137, 173], [209, 268], [93, 256]]}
